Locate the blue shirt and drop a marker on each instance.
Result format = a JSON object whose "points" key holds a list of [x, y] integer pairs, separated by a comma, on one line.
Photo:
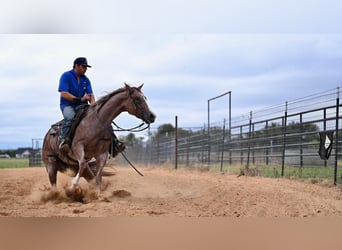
{"points": [[69, 83]]}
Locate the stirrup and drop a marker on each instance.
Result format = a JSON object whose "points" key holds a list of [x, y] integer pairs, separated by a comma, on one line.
{"points": [[64, 146]]}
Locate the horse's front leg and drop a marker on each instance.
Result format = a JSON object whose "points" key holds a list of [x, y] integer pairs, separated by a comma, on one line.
{"points": [[101, 162], [82, 165]]}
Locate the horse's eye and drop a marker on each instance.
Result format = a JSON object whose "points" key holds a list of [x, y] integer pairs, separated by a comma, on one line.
{"points": [[137, 100]]}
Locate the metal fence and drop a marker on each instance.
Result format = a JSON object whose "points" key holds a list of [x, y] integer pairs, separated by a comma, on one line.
{"points": [[281, 140], [35, 158]]}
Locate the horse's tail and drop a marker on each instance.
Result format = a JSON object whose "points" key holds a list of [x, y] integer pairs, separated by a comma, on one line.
{"points": [[50, 144]]}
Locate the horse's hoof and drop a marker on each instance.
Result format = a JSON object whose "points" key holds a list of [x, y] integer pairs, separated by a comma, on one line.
{"points": [[75, 193], [69, 191]]}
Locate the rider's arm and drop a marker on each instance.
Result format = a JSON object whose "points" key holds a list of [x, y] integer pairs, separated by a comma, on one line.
{"points": [[70, 97]]}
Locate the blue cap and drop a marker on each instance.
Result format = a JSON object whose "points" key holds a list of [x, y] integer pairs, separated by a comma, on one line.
{"points": [[81, 61]]}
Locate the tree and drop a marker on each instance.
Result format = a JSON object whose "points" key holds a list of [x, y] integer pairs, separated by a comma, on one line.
{"points": [[168, 129], [165, 129]]}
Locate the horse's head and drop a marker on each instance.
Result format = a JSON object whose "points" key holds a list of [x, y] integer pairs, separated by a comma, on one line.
{"points": [[137, 105]]}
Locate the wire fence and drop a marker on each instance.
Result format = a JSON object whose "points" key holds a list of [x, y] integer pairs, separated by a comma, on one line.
{"points": [[282, 140]]}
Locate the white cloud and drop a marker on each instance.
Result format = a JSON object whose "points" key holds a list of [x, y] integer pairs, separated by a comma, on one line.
{"points": [[177, 16], [180, 71]]}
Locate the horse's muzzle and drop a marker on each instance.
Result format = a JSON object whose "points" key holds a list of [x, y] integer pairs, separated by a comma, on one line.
{"points": [[149, 118]]}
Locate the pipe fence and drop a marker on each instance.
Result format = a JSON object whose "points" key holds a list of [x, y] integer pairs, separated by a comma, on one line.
{"points": [[282, 140]]}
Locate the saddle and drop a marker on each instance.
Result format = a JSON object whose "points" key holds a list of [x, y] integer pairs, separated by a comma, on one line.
{"points": [[115, 147], [81, 112]]}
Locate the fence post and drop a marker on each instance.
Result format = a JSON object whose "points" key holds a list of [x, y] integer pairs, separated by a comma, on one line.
{"points": [[241, 145], [203, 149], [158, 149], [223, 138], [301, 140], [176, 142], [284, 141], [336, 132], [230, 127], [187, 150], [253, 146], [209, 133], [324, 129], [267, 145], [150, 161], [229, 148], [249, 139]]}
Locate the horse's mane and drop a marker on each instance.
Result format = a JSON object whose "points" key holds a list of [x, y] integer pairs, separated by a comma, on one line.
{"points": [[99, 103]]}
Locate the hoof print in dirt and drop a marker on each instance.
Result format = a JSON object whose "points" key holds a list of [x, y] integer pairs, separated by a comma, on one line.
{"points": [[121, 193]]}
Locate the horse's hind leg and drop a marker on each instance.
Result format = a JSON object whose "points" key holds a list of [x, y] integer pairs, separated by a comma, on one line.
{"points": [[51, 168]]}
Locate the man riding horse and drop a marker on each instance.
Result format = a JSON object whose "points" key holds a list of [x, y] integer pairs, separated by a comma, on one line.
{"points": [[76, 92], [93, 136]]}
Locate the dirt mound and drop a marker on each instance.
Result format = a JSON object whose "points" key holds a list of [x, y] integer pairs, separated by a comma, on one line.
{"points": [[164, 192], [121, 193]]}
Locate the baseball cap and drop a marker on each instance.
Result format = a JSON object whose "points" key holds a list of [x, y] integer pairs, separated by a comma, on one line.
{"points": [[82, 61]]}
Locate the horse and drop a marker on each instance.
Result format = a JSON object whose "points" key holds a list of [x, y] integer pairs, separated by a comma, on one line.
{"points": [[93, 136]]}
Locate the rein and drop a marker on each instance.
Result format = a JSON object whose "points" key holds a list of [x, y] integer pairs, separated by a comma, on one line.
{"points": [[124, 156], [134, 129]]}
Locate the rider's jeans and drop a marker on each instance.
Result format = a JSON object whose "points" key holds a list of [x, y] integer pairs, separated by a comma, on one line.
{"points": [[68, 114]]}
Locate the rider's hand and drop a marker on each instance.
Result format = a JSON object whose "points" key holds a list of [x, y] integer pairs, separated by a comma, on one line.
{"points": [[86, 98]]}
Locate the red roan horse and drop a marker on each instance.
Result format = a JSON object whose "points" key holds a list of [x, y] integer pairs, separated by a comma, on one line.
{"points": [[93, 135]]}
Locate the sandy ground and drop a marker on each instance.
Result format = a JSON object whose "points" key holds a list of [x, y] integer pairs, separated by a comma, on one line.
{"points": [[164, 192]]}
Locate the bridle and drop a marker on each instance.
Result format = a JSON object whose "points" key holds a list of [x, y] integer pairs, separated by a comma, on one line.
{"points": [[136, 128]]}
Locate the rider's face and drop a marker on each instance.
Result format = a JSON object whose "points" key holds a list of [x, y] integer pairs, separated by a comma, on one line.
{"points": [[80, 69]]}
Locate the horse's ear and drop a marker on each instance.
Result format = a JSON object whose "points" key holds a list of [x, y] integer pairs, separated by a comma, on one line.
{"points": [[127, 87], [140, 87]]}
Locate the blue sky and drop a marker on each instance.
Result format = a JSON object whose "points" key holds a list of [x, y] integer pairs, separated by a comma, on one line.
{"points": [[184, 53]]}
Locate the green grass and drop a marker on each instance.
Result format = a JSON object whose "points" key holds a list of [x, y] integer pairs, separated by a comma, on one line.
{"points": [[306, 173], [14, 163]]}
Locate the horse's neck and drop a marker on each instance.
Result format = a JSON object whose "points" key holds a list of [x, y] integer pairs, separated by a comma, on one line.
{"points": [[112, 108]]}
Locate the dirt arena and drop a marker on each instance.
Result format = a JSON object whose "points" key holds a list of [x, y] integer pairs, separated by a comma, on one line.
{"points": [[165, 192]]}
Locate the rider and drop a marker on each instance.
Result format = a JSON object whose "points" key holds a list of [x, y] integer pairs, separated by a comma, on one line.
{"points": [[76, 90]]}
